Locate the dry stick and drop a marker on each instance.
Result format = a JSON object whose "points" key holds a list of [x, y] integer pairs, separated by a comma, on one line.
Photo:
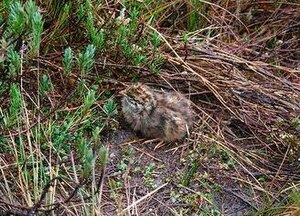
{"points": [[132, 142], [146, 153], [205, 81], [279, 169], [36, 206], [228, 57], [143, 198], [99, 188], [18, 208], [56, 205], [260, 187]]}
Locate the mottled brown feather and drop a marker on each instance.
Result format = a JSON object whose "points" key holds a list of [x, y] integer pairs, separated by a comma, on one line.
{"points": [[165, 115]]}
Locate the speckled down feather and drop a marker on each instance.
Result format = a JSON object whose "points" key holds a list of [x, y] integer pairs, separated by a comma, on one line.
{"points": [[165, 115]]}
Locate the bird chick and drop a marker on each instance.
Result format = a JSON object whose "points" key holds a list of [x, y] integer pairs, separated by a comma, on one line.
{"points": [[166, 116]]}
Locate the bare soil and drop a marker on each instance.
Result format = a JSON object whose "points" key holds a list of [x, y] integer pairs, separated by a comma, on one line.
{"points": [[226, 195]]}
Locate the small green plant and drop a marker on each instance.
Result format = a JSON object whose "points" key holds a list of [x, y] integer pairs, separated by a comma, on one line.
{"points": [[185, 37], [36, 20], [139, 59], [67, 61], [15, 103], [98, 38], [103, 155], [87, 157], [123, 165], [90, 22], [86, 60], [25, 20], [150, 174], [195, 164], [110, 108], [96, 134], [14, 59], [127, 160], [80, 12], [175, 196], [155, 65], [16, 19], [89, 100], [45, 85], [295, 123], [60, 137], [294, 197], [155, 40], [64, 15], [196, 17]]}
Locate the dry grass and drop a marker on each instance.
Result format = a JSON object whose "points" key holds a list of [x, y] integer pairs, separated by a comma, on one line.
{"points": [[241, 70]]}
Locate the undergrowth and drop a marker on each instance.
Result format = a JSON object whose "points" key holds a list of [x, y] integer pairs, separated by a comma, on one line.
{"points": [[62, 64]]}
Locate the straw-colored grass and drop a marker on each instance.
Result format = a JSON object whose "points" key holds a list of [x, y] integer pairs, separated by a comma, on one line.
{"points": [[65, 149]]}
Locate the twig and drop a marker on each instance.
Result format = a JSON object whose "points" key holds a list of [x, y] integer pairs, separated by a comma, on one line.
{"points": [[143, 198]]}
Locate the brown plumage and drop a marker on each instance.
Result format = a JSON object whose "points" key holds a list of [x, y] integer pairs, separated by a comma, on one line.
{"points": [[166, 116]]}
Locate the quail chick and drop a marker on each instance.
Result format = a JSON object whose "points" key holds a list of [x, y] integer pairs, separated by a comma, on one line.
{"points": [[166, 116]]}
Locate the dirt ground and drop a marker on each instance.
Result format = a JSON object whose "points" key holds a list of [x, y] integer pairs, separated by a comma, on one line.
{"points": [[198, 180]]}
